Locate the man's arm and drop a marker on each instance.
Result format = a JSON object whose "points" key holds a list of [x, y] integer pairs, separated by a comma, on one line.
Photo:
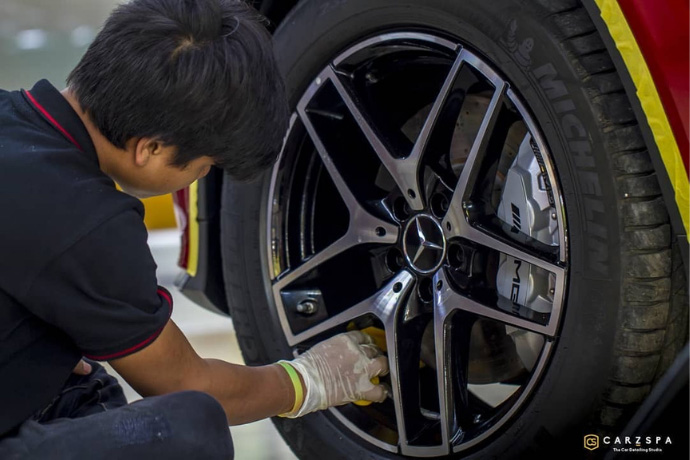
{"points": [[170, 364], [104, 296]]}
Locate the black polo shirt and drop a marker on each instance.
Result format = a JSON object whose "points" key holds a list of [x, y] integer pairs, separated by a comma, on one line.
{"points": [[76, 274]]}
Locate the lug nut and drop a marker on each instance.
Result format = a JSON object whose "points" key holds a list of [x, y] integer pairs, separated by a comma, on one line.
{"points": [[456, 256], [394, 260], [439, 205], [401, 210], [425, 290], [307, 307]]}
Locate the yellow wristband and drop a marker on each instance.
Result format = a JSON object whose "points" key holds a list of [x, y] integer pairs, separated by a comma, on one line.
{"points": [[297, 384]]}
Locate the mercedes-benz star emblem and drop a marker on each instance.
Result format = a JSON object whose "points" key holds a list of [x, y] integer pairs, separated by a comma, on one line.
{"points": [[424, 244]]}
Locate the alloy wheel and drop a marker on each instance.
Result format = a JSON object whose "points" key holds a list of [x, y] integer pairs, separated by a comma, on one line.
{"points": [[415, 198]]}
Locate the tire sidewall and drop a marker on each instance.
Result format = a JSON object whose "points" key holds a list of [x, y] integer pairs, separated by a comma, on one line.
{"points": [[315, 32]]}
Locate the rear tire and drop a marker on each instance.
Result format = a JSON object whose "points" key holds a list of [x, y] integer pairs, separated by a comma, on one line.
{"points": [[627, 306]]}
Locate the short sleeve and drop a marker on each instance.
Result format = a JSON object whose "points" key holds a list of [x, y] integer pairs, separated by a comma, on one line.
{"points": [[102, 291]]}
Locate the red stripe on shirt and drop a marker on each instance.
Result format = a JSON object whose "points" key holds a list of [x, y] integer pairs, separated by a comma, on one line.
{"points": [[166, 296], [161, 292], [53, 120]]}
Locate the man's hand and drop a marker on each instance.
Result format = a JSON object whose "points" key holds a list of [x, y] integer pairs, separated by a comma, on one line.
{"points": [[339, 370], [82, 368]]}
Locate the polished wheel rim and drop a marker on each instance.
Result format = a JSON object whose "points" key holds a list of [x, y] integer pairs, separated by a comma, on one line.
{"points": [[416, 199]]}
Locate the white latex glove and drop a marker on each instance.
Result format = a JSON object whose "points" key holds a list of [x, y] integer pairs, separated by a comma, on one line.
{"points": [[339, 370]]}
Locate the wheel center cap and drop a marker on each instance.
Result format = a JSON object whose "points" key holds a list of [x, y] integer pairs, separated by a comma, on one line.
{"points": [[424, 244]]}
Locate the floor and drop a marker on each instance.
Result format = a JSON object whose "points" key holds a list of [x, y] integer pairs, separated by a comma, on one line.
{"points": [[212, 336]]}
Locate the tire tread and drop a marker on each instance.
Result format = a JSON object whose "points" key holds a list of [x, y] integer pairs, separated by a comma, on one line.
{"points": [[653, 314]]}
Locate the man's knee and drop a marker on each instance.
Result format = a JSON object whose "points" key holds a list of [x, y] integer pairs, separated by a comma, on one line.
{"points": [[204, 422]]}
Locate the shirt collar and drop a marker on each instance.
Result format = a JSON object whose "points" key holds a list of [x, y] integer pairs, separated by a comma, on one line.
{"points": [[52, 106]]}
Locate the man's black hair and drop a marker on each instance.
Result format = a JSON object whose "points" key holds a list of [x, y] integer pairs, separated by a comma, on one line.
{"points": [[197, 74]]}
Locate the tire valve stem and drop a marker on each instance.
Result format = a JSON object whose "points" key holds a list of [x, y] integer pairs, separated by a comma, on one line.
{"points": [[307, 307], [470, 210]]}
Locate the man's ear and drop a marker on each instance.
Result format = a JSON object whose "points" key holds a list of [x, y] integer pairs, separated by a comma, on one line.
{"points": [[144, 149]]}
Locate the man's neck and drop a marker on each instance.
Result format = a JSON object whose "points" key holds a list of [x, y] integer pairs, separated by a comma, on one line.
{"points": [[101, 144]]}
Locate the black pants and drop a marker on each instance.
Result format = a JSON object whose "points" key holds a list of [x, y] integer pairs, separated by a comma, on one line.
{"points": [[91, 419]]}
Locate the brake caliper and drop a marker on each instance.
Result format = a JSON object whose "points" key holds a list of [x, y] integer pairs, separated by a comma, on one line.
{"points": [[527, 207]]}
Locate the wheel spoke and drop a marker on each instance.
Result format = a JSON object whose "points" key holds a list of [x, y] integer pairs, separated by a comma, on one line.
{"points": [[363, 226], [444, 377], [447, 300], [460, 337], [403, 341], [353, 205], [452, 360], [337, 247], [505, 246], [455, 218], [403, 171], [384, 304], [396, 371], [436, 108]]}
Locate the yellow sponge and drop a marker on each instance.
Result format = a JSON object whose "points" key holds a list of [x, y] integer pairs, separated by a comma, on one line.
{"points": [[364, 402]]}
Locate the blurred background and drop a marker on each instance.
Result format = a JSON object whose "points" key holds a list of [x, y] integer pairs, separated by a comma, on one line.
{"points": [[45, 39]]}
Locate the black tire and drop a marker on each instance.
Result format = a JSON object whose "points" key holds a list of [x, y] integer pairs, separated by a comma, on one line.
{"points": [[626, 311]]}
